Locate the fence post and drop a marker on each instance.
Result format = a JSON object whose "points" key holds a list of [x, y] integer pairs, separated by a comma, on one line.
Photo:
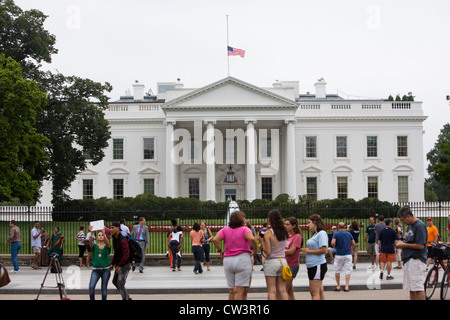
{"points": [[29, 230]]}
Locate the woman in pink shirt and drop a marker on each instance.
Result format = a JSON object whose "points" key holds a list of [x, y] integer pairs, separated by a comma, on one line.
{"points": [[292, 251], [237, 261]]}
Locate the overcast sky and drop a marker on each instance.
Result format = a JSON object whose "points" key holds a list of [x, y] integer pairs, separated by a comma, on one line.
{"points": [[362, 48]]}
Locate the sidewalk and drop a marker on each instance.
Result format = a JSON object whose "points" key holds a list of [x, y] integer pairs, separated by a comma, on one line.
{"points": [[161, 280]]}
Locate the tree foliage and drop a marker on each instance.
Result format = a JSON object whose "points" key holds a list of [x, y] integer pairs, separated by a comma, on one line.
{"points": [[22, 146], [439, 157], [24, 38], [73, 120]]}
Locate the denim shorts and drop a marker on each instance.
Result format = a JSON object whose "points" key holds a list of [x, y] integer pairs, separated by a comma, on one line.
{"points": [[294, 271]]}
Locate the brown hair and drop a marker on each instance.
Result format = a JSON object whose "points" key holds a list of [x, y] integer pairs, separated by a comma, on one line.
{"points": [[237, 219], [293, 221], [315, 218], [276, 222]]}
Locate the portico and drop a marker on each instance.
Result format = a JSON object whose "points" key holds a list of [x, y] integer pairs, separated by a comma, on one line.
{"points": [[230, 125]]}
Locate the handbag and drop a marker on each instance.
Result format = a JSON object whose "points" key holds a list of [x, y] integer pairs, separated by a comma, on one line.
{"points": [[286, 272], [4, 276]]}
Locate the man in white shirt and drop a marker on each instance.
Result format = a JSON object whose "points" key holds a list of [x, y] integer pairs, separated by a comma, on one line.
{"points": [[36, 245], [124, 230]]}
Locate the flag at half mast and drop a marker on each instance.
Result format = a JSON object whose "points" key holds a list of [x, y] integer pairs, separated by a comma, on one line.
{"points": [[236, 52]]}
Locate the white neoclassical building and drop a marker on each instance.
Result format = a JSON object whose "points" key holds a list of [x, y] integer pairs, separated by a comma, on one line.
{"points": [[234, 140]]}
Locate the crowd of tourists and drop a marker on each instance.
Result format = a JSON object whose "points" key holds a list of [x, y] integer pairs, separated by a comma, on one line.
{"points": [[279, 243]]}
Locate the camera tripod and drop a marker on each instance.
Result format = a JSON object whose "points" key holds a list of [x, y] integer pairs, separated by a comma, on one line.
{"points": [[59, 278]]}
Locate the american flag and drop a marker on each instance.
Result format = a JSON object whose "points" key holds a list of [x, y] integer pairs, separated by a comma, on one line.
{"points": [[236, 52]]}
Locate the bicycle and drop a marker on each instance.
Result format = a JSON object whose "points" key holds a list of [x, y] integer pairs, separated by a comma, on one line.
{"points": [[432, 279], [446, 278]]}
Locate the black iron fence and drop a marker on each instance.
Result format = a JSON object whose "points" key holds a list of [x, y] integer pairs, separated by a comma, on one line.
{"points": [[69, 219]]}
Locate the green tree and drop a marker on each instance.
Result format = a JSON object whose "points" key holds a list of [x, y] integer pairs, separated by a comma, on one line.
{"points": [[23, 148], [24, 38], [439, 157], [73, 121]]}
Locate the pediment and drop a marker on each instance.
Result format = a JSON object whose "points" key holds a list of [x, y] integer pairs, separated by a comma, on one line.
{"points": [[148, 171], [373, 169], [311, 169], [403, 168], [88, 172], [118, 171], [230, 93], [342, 169]]}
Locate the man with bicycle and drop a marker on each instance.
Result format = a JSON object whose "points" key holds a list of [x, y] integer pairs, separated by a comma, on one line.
{"points": [[414, 254]]}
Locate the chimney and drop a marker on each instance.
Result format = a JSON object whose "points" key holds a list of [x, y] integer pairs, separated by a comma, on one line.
{"points": [[321, 91], [138, 91]]}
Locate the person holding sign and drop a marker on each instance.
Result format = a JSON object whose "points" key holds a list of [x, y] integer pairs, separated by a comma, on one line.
{"points": [[100, 262]]}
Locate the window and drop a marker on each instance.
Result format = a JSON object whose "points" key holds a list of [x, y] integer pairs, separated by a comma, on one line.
{"points": [[118, 190], [266, 147], [149, 148], [229, 150], [87, 154], [118, 149], [311, 147], [372, 187], [149, 186], [342, 188], [266, 189], [88, 189], [402, 189], [402, 146], [341, 147], [194, 188], [372, 147], [230, 195], [195, 150], [311, 188]]}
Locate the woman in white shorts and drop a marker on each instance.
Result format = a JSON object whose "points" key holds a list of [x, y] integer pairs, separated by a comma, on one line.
{"points": [[276, 258], [237, 261]]}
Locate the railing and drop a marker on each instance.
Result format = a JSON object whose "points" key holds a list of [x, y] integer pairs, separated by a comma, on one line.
{"points": [[158, 220]]}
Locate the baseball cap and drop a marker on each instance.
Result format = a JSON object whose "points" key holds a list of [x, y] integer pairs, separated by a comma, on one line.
{"points": [[430, 219]]}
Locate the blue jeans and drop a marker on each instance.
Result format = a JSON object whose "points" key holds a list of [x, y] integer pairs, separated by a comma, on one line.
{"points": [[104, 274], [15, 247], [198, 256]]}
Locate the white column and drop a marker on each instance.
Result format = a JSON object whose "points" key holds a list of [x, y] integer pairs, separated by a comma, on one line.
{"points": [[250, 180], [290, 180], [170, 161], [210, 161]]}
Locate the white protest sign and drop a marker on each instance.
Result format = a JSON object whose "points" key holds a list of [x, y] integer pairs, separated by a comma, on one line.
{"points": [[98, 225]]}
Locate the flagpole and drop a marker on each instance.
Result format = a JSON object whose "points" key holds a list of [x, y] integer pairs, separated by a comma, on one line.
{"points": [[228, 57]]}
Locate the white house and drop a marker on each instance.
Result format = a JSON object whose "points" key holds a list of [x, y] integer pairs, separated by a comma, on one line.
{"points": [[234, 140]]}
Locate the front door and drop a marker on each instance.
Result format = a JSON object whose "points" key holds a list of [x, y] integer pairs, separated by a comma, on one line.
{"points": [[230, 195]]}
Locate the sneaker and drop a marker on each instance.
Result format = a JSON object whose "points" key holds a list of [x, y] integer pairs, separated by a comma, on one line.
{"points": [[389, 277], [179, 269], [173, 269], [16, 271]]}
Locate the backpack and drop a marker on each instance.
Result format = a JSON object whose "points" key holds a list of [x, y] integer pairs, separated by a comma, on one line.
{"points": [[135, 250]]}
